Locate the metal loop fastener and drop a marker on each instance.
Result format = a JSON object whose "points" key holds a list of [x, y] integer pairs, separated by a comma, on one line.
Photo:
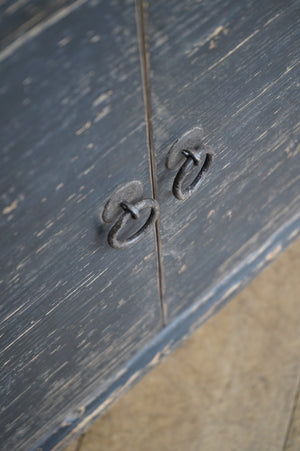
{"points": [[192, 159], [187, 152], [132, 211]]}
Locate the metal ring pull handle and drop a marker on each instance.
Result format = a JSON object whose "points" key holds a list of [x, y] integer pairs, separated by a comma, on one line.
{"points": [[124, 205], [190, 147], [132, 211], [184, 193]]}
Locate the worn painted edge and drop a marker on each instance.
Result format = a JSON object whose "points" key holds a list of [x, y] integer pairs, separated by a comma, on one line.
{"points": [[171, 337], [39, 28]]}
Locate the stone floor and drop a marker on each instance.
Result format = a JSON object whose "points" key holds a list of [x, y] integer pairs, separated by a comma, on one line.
{"points": [[234, 385]]}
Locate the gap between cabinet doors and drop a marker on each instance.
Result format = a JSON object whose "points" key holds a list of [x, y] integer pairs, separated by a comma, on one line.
{"points": [[144, 61]]}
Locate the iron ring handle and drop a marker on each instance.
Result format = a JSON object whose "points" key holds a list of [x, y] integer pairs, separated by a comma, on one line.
{"points": [[179, 191], [132, 211]]}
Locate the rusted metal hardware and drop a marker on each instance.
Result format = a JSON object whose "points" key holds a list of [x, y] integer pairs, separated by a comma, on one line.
{"points": [[125, 204], [186, 153]]}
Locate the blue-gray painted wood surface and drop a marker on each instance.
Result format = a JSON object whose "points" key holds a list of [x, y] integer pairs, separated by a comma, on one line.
{"points": [[231, 68], [18, 17], [172, 336], [79, 322], [73, 310]]}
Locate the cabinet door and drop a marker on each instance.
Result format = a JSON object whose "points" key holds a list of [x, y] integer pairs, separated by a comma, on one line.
{"points": [[231, 68], [73, 309]]}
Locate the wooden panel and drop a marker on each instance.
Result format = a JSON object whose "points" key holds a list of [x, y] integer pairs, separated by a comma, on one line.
{"points": [[22, 16], [73, 310], [236, 385], [173, 336], [233, 68]]}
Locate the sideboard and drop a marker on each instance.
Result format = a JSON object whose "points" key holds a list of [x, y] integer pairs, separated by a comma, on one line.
{"points": [[150, 168]]}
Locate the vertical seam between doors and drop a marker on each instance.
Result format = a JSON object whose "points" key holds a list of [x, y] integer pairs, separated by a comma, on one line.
{"points": [[144, 60]]}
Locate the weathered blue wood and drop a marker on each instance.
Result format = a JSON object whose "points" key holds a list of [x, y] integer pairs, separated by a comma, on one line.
{"points": [[231, 68], [73, 310], [171, 337], [80, 322]]}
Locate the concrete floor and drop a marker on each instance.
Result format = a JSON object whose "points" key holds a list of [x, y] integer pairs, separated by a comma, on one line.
{"points": [[234, 385]]}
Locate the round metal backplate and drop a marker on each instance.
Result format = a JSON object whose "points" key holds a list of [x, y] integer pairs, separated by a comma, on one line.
{"points": [[191, 140], [130, 192]]}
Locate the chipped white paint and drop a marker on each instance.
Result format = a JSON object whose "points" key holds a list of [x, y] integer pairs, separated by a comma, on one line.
{"points": [[102, 98], [102, 114], [204, 41], [65, 41], [7, 210], [82, 129], [35, 31]]}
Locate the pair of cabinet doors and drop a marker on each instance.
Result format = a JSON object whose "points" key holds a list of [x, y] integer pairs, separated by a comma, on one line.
{"points": [[93, 98]]}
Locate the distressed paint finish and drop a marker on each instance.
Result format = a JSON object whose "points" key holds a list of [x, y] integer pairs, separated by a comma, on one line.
{"points": [[233, 68], [18, 17], [79, 319], [73, 310], [173, 335]]}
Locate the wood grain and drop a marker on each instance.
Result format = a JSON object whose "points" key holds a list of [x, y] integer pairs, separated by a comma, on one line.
{"points": [[231, 386], [73, 310], [171, 337], [232, 68], [18, 17], [80, 321]]}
